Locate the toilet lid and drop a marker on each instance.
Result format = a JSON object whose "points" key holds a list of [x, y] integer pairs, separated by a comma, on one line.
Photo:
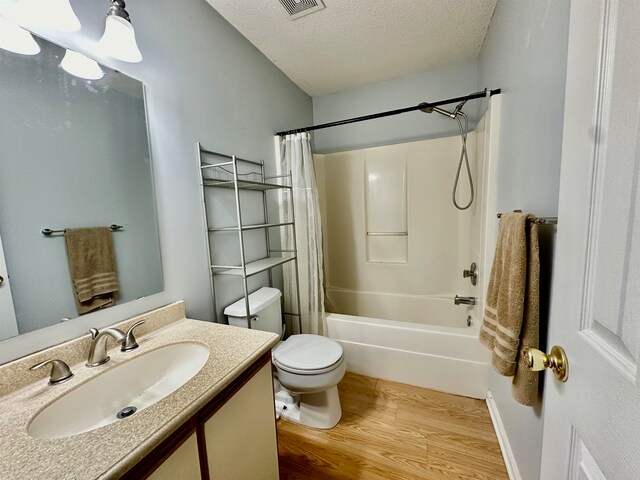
{"points": [[306, 353]]}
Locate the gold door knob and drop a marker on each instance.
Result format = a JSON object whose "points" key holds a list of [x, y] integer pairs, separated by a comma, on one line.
{"points": [[557, 361]]}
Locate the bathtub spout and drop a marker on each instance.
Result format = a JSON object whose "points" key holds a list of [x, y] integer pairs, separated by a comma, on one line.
{"points": [[464, 300]]}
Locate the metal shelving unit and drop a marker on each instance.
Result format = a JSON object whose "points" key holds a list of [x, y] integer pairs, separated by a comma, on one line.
{"points": [[217, 175]]}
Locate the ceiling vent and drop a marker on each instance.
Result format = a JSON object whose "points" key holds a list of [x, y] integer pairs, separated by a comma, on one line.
{"points": [[300, 8]]}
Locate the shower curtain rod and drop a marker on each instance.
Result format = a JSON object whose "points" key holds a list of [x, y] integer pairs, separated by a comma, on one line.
{"points": [[484, 93]]}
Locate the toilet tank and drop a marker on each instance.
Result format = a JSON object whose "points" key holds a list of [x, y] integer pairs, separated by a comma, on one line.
{"points": [[265, 304]]}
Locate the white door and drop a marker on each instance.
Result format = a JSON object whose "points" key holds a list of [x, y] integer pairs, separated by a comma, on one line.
{"points": [[592, 422], [8, 325]]}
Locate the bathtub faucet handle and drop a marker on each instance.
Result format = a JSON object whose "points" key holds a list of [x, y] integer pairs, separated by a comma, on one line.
{"points": [[472, 273]]}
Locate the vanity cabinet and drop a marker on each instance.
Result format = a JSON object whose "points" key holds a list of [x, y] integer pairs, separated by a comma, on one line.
{"points": [[241, 435], [184, 463], [231, 437]]}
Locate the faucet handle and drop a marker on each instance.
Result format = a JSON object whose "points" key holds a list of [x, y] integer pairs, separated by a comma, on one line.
{"points": [[130, 342], [60, 371], [472, 273], [94, 333]]}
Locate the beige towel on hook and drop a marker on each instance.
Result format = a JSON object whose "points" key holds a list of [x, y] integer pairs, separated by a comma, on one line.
{"points": [[511, 315], [92, 267]]}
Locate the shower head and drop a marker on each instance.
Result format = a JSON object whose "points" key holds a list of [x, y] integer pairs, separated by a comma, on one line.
{"points": [[442, 111], [429, 109]]}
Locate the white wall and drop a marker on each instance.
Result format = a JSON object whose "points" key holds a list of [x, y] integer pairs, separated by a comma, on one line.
{"points": [[440, 84], [525, 54], [205, 82]]}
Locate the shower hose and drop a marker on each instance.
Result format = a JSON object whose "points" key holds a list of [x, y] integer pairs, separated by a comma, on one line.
{"points": [[464, 158]]}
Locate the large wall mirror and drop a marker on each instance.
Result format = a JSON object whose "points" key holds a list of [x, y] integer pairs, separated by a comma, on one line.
{"points": [[73, 153]]}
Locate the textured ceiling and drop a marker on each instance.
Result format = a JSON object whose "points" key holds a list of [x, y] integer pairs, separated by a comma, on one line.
{"points": [[356, 42]]}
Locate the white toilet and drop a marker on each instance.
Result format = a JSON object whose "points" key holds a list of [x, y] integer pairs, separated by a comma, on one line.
{"points": [[309, 367]]}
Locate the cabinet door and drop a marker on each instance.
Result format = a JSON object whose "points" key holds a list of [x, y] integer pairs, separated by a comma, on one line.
{"points": [[183, 464], [241, 436]]}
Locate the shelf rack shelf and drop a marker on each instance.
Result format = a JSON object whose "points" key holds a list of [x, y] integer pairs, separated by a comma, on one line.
{"points": [[218, 175], [243, 185], [245, 228], [251, 268]]}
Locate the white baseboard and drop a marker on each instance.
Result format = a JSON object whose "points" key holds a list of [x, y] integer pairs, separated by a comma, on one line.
{"points": [[503, 440]]}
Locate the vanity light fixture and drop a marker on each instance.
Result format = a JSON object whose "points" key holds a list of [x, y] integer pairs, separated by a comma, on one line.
{"points": [[81, 66], [16, 39], [55, 14], [119, 39]]}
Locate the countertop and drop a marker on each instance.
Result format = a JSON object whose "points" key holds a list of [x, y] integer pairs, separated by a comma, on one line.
{"points": [[110, 451]]}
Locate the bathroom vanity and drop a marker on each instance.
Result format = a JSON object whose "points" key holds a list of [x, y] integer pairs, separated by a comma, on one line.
{"points": [[219, 423]]}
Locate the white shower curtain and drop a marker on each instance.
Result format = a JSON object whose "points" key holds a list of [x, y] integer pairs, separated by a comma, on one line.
{"points": [[296, 156]]}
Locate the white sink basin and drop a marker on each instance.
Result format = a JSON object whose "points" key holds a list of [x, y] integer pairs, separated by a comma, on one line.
{"points": [[137, 383]]}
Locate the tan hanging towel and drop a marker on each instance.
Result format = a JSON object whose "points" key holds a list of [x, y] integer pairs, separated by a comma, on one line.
{"points": [[92, 267], [511, 314]]}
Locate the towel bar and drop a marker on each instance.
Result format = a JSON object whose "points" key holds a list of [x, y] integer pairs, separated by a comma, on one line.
{"points": [[387, 234], [541, 220], [47, 232]]}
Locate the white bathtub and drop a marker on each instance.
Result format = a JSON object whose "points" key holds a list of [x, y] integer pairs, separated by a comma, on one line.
{"points": [[445, 358]]}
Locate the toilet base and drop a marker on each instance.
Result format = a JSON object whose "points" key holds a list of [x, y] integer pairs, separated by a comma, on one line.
{"points": [[317, 410]]}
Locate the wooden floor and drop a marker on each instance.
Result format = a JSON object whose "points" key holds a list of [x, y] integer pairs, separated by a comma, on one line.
{"points": [[395, 431]]}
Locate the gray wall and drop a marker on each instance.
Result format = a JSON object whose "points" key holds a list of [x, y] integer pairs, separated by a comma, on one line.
{"points": [[205, 82], [440, 84], [525, 54]]}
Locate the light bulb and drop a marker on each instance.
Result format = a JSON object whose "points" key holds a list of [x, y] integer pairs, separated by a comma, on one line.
{"points": [[119, 40], [16, 39], [54, 14], [77, 64]]}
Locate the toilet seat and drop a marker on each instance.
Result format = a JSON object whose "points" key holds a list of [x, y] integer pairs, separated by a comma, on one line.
{"points": [[308, 355]]}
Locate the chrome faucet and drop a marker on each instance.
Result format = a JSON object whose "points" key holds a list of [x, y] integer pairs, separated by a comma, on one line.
{"points": [[98, 350], [464, 300]]}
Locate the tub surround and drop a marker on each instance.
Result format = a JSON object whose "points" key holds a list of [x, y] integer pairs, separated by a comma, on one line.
{"points": [[110, 451], [404, 257]]}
